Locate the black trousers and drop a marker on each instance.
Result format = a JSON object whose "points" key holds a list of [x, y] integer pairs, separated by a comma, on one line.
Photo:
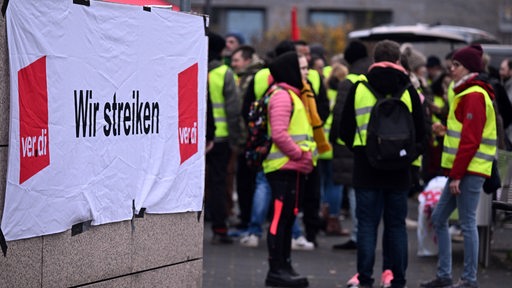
{"points": [[216, 199], [311, 206], [245, 185], [286, 186]]}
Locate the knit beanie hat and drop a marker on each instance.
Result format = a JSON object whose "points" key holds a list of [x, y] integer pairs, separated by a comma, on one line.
{"points": [[239, 37], [470, 57], [355, 51], [413, 57], [433, 61]]}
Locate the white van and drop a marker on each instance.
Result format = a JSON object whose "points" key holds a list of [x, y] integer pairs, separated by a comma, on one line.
{"points": [[497, 52]]}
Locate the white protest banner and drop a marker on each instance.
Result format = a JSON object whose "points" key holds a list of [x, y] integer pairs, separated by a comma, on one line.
{"points": [[107, 114]]}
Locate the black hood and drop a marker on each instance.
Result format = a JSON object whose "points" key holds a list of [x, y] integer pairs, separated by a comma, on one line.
{"points": [[285, 68], [387, 80], [215, 46]]}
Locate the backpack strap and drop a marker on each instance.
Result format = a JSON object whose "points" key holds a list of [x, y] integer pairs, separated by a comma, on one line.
{"points": [[269, 89], [401, 91]]}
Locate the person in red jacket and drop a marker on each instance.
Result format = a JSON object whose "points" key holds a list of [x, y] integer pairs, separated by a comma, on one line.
{"points": [[468, 151]]}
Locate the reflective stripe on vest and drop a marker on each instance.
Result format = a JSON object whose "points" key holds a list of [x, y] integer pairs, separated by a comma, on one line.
{"points": [[352, 78], [363, 104], [482, 161], [301, 132], [261, 82], [216, 88]]}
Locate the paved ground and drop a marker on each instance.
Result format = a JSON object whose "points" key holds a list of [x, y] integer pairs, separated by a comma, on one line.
{"points": [[237, 266]]}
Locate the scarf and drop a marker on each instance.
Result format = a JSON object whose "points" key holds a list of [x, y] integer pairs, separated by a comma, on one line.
{"points": [[308, 99]]}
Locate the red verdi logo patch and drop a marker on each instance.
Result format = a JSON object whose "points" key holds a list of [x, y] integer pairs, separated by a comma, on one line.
{"points": [[33, 117], [187, 109]]}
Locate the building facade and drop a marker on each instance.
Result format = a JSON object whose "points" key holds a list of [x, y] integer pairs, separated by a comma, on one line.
{"points": [[253, 18]]}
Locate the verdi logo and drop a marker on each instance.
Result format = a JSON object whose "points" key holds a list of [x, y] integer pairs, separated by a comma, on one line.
{"points": [[187, 109], [33, 119]]}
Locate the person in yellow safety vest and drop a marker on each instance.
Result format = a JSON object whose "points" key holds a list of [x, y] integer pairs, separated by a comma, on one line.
{"points": [[438, 110], [291, 157], [468, 152], [233, 41], [245, 63], [356, 56], [226, 110], [380, 194], [315, 80], [261, 82], [448, 65], [318, 51], [317, 63], [415, 63], [311, 204], [434, 69], [331, 193]]}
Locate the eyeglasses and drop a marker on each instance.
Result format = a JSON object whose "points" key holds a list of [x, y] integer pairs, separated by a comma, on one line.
{"points": [[455, 65]]}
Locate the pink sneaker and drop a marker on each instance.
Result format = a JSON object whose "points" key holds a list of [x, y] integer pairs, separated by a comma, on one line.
{"points": [[353, 282], [385, 279]]}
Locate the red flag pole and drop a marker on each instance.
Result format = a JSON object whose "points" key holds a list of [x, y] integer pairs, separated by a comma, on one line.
{"points": [[294, 25]]}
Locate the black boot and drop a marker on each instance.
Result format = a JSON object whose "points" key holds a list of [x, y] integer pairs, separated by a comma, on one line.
{"points": [[279, 276], [289, 267]]}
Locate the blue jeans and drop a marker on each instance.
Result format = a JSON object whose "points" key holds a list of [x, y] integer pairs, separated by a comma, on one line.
{"points": [[332, 194], [467, 202], [260, 206], [371, 206]]}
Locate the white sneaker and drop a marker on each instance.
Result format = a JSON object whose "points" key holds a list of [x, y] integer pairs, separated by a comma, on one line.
{"points": [[250, 241], [409, 223], [456, 234], [302, 244]]}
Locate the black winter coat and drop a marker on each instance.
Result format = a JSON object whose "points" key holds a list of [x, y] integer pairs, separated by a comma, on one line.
{"points": [[385, 80]]}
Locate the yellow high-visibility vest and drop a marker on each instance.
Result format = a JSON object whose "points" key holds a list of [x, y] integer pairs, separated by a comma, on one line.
{"points": [[482, 161], [216, 87], [301, 132], [261, 82]]}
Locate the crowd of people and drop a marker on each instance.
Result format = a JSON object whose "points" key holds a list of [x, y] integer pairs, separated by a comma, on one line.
{"points": [[319, 114]]}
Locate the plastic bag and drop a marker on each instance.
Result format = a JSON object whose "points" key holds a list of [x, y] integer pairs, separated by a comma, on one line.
{"points": [[427, 243]]}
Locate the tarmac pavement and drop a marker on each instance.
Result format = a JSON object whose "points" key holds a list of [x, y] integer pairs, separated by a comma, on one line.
{"points": [[237, 266]]}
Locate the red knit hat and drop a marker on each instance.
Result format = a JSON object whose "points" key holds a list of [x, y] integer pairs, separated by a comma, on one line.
{"points": [[470, 57]]}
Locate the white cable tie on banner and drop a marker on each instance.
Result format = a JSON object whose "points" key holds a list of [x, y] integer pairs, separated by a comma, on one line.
{"points": [[148, 7]]}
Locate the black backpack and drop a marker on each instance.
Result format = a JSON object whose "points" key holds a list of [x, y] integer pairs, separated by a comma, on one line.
{"points": [[391, 137], [258, 143]]}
